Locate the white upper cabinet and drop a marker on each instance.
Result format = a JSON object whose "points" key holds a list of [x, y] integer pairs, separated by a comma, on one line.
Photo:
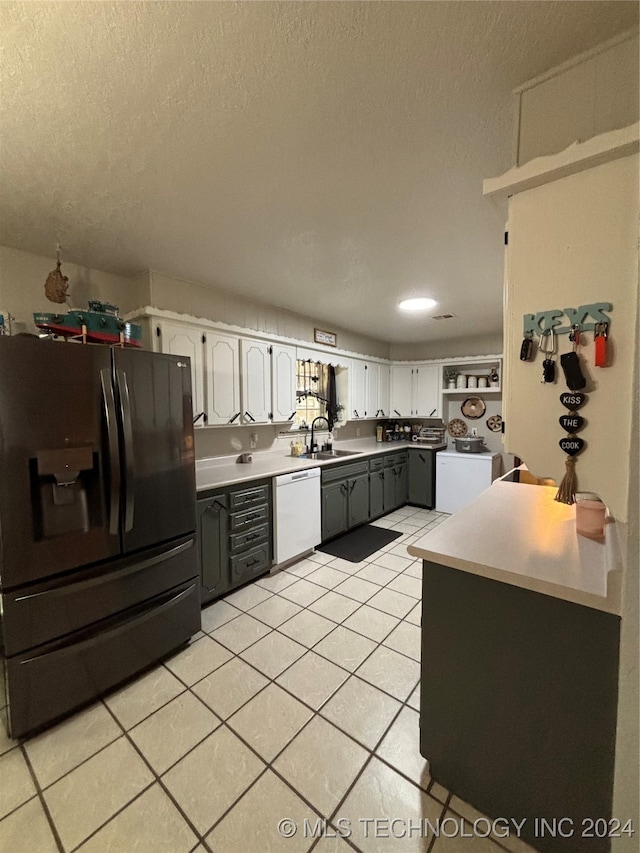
{"points": [[426, 399], [372, 405], [383, 390], [369, 389], [357, 389], [223, 379], [283, 383], [415, 391], [184, 340], [255, 378], [401, 404]]}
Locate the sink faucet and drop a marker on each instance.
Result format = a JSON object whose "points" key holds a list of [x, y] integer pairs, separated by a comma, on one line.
{"points": [[313, 424]]}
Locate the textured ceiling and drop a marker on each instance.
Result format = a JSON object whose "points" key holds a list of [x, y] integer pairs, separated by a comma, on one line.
{"points": [[324, 157]]}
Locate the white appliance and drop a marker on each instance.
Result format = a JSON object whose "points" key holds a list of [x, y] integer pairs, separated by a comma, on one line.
{"points": [[461, 477], [297, 525]]}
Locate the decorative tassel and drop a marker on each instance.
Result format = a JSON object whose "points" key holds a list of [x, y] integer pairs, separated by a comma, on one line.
{"points": [[567, 490]]}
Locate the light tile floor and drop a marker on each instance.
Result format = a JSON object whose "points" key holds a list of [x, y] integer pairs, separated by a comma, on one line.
{"points": [[298, 701]]}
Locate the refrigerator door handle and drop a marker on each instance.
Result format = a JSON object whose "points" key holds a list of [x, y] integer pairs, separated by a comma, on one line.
{"points": [[109, 404], [127, 435]]}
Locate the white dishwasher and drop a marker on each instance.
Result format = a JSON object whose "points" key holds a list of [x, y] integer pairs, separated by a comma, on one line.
{"points": [[297, 519]]}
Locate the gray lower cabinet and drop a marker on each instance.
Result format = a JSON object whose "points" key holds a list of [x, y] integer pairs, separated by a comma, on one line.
{"points": [[234, 537], [376, 488], [505, 648], [395, 481], [358, 500], [334, 509], [345, 498], [422, 491], [213, 521]]}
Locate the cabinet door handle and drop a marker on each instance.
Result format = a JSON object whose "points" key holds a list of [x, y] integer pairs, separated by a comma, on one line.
{"points": [[250, 416], [422, 457], [197, 417], [291, 416], [235, 417], [397, 413], [356, 414], [352, 487], [253, 562], [216, 506], [343, 488]]}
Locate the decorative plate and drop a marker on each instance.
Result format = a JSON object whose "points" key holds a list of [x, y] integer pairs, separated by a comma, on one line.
{"points": [[494, 422], [457, 428], [473, 408]]}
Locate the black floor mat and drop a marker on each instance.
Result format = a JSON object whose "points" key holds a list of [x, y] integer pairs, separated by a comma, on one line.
{"points": [[358, 544]]}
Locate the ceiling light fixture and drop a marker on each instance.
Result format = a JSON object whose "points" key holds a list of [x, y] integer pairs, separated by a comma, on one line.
{"points": [[419, 303]]}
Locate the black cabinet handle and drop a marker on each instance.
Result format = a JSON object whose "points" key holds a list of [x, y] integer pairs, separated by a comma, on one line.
{"points": [[356, 414], [252, 562], [197, 417], [252, 536], [215, 506], [235, 417], [343, 488], [253, 516], [397, 413], [250, 416], [422, 457], [291, 416], [352, 487]]}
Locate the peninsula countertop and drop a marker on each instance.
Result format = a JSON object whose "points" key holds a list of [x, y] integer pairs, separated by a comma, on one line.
{"points": [[518, 534], [219, 471]]}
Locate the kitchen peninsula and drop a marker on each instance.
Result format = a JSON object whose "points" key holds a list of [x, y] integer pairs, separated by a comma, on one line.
{"points": [[520, 633]]}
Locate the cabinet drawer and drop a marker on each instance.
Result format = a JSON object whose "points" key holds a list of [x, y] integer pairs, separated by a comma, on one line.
{"points": [[395, 459], [343, 472], [254, 536], [242, 520], [246, 498], [254, 562]]}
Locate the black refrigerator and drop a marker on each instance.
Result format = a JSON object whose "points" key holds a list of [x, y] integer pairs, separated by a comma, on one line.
{"points": [[98, 563]]}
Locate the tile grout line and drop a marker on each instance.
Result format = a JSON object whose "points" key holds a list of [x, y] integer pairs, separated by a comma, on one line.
{"points": [[43, 802], [236, 655]]}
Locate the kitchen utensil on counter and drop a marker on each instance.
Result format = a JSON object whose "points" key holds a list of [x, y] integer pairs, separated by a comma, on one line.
{"points": [[471, 444], [590, 516], [457, 428], [494, 422], [245, 457], [473, 408]]}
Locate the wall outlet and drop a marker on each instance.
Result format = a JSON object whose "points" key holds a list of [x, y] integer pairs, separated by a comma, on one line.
{"points": [[253, 440]]}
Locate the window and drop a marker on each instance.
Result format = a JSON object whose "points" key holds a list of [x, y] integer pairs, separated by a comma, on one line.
{"points": [[312, 383]]}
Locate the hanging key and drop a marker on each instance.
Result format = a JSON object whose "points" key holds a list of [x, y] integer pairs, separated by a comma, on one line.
{"points": [[526, 349], [548, 370], [547, 345], [600, 340]]}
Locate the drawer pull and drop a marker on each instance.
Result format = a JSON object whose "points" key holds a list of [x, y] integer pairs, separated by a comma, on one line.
{"points": [[253, 562]]}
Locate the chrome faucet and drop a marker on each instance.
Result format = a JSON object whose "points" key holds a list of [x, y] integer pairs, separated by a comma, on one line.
{"points": [[312, 448]]}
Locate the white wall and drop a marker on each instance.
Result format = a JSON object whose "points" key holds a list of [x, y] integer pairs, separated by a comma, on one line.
{"points": [[447, 348], [572, 242], [22, 278], [186, 297], [591, 94]]}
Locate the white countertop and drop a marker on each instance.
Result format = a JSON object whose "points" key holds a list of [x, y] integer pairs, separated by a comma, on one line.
{"points": [[518, 534], [218, 471]]}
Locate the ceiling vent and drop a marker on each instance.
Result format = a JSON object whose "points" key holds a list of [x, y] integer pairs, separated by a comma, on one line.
{"points": [[443, 316]]}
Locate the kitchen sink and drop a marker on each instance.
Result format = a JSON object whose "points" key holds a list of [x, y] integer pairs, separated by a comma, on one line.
{"points": [[329, 454]]}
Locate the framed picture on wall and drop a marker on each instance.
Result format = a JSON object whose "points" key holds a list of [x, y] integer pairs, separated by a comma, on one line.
{"points": [[322, 337]]}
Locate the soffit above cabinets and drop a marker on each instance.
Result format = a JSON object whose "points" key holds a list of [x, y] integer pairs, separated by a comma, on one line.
{"points": [[325, 158]]}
